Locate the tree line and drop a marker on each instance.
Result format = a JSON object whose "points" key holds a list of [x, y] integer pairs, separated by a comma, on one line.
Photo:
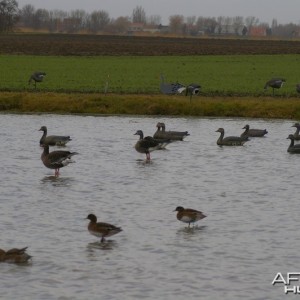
{"points": [[99, 21]]}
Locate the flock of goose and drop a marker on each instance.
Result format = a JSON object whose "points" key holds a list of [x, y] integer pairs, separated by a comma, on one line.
{"points": [[61, 158]]}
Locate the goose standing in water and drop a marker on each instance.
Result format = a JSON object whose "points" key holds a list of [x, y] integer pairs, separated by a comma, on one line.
{"points": [[275, 83], [53, 140], [56, 159], [253, 132], [230, 140], [292, 147], [188, 215], [296, 134], [148, 144], [161, 133], [36, 77], [101, 229]]}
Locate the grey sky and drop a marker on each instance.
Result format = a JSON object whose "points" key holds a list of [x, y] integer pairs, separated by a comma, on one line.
{"points": [[285, 11]]}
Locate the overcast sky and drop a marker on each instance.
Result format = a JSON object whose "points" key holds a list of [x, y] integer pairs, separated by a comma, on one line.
{"points": [[285, 11]]}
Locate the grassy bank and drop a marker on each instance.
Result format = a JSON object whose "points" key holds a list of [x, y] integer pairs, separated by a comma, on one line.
{"points": [[254, 107], [227, 75]]}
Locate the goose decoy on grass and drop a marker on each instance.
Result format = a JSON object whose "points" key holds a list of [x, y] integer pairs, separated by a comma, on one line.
{"points": [[188, 215], [100, 229], [53, 140], [192, 89], [14, 255], [296, 134], [170, 88], [253, 132], [56, 159], [36, 77], [148, 144], [274, 83], [292, 147], [230, 140], [161, 133]]}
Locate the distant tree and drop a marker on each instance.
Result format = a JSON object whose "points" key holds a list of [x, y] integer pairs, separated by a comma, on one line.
{"points": [[98, 20], [27, 15], [9, 15], [237, 23], [139, 15], [154, 20], [80, 19], [176, 24], [41, 19], [118, 26], [251, 21]]}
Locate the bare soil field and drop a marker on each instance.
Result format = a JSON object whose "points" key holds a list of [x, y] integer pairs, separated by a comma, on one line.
{"points": [[90, 45]]}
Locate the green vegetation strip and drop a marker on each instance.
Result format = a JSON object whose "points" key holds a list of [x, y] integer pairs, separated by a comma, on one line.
{"points": [[80, 103], [230, 75]]}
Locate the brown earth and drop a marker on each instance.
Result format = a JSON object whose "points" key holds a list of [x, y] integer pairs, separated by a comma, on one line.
{"points": [[67, 44]]}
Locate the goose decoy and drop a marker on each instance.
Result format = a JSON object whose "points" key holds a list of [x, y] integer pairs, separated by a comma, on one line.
{"points": [[192, 89], [14, 255], [161, 133], [56, 159], [292, 147], [188, 215], [230, 140], [296, 134], [253, 132], [36, 77], [170, 88], [53, 140], [298, 88], [275, 83], [148, 144], [100, 229]]}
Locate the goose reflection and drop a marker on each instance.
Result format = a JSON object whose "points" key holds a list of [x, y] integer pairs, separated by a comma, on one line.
{"points": [[106, 245]]}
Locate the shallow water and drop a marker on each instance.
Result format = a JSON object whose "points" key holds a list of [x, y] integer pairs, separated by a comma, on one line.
{"points": [[249, 194]]}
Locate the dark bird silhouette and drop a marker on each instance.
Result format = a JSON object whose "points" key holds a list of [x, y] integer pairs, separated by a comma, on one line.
{"points": [[192, 89], [161, 133], [298, 88], [253, 132], [170, 88], [148, 144], [36, 77], [296, 134], [56, 159], [188, 215], [292, 147], [14, 255], [53, 140], [274, 83], [101, 229], [230, 140]]}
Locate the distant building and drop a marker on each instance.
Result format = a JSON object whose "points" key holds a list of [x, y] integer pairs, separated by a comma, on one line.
{"points": [[257, 31]]}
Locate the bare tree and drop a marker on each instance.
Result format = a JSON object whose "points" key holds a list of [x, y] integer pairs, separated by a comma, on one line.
{"points": [[176, 23], [139, 15], [154, 20], [251, 21], [119, 26], [27, 15], [99, 20], [9, 14], [238, 23], [41, 19]]}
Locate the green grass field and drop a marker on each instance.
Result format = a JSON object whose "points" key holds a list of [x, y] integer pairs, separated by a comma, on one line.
{"points": [[240, 75]]}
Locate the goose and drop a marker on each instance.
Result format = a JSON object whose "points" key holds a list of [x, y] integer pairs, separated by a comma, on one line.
{"points": [[253, 132], [36, 77], [296, 134], [100, 229], [192, 89], [170, 88], [148, 144], [14, 255], [56, 159], [292, 147], [188, 215], [161, 133], [230, 140], [275, 83], [53, 140]]}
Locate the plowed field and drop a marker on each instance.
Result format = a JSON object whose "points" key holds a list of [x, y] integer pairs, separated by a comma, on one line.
{"points": [[90, 45]]}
